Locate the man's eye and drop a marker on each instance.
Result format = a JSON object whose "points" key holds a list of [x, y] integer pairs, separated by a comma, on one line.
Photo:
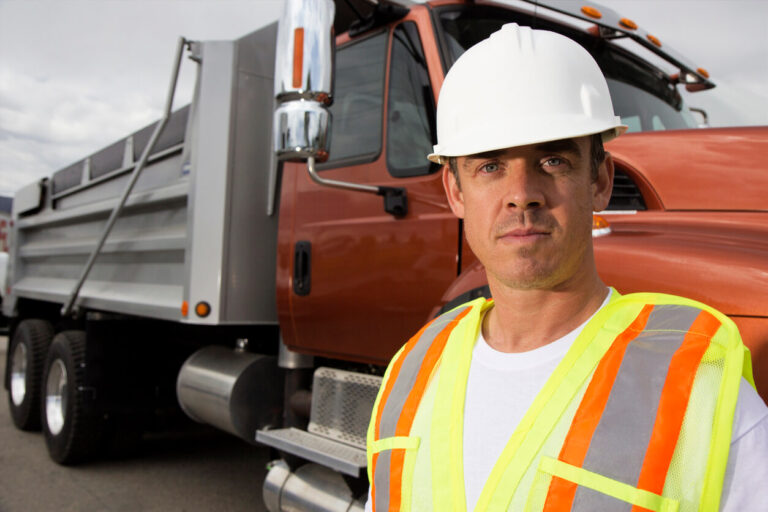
{"points": [[554, 162], [489, 168]]}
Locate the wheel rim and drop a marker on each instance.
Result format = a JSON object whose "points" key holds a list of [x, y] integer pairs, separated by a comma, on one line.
{"points": [[56, 397], [19, 374]]}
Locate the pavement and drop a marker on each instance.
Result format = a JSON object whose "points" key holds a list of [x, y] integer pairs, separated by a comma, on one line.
{"points": [[194, 469]]}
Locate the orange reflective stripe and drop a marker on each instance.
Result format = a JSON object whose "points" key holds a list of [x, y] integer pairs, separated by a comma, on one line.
{"points": [[561, 492], [385, 395], [674, 403], [411, 405]]}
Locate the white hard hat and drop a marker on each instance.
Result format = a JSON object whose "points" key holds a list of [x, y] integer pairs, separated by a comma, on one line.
{"points": [[521, 86]]}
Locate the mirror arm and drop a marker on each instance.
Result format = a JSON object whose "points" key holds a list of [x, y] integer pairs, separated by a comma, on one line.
{"points": [[395, 198]]}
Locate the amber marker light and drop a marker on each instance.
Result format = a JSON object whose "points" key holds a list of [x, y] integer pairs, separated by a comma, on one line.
{"points": [[298, 56], [202, 309], [591, 12], [324, 98], [184, 308], [654, 40], [600, 226], [628, 23], [703, 72]]}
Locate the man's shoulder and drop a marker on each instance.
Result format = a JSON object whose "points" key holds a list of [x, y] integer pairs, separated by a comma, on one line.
{"points": [[675, 301], [444, 322]]}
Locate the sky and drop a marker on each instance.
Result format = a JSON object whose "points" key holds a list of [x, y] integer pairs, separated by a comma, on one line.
{"points": [[77, 75]]}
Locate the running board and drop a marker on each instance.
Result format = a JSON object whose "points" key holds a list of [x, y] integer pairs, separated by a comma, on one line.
{"points": [[342, 402], [314, 448]]}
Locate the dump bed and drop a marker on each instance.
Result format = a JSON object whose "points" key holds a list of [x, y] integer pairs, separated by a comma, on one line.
{"points": [[195, 227]]}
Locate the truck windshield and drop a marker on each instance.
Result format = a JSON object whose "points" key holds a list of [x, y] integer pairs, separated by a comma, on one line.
{"points": [[641, 94]]}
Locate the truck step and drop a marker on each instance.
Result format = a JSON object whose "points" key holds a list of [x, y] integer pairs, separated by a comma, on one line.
{"points": [[333, 454]]}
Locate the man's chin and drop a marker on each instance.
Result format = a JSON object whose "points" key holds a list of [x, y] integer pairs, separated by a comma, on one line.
{"points": [[533, 279]]}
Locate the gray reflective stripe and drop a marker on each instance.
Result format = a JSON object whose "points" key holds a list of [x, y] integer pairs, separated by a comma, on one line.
{"points": [[381, 480], [618, 446], [594, 501], [408, 372], [403, 384]]}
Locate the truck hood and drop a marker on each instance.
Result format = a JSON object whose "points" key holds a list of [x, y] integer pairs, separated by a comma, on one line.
{"points": [[704, 169]]}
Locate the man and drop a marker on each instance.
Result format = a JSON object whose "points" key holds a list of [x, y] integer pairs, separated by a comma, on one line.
{"points": [[559, 394]]}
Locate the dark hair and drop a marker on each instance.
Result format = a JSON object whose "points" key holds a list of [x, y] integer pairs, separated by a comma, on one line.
{"points": [[596, 154], [596, 157]]}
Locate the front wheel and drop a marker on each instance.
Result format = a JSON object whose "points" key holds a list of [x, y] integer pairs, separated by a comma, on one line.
{"points": [[71, 422], [26, 358]]}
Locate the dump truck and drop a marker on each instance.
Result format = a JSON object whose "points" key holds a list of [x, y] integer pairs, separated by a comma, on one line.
{"points": [[256, 257]]}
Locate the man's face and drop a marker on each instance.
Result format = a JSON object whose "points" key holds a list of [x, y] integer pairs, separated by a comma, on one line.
{"points": [[528, 210]]}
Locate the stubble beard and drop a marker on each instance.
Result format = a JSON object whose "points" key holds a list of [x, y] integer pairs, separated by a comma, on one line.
{"points": [[539, 266]]}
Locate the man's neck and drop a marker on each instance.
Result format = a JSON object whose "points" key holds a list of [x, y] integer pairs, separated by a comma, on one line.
{"points": [[523, 320]]}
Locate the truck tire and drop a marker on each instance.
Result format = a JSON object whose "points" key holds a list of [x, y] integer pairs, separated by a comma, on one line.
{"points": [[26, 359], [71, 422]]}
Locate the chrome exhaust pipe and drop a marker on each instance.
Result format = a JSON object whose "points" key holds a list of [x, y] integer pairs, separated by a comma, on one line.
{"points": [[310, 488]]}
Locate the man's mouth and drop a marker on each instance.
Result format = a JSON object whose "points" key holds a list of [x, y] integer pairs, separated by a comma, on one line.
{"points": [[522, 235]]}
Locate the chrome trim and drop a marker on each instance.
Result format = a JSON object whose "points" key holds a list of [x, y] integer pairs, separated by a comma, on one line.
{"points": [[338, 184], [56, 397], [18, 379], [310, 487], [302, 130], [304, 80], [616, 212], [315, 18]]}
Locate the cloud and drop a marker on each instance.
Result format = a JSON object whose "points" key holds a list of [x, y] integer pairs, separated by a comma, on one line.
{"points": [[727, 38], [45, 127], [78, 75]]}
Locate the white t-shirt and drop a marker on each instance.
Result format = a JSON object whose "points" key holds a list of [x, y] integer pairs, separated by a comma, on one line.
{"points": [[493, 408]]}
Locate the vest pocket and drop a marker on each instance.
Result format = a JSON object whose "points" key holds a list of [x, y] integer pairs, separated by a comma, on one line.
{"points": [[595, 491]]}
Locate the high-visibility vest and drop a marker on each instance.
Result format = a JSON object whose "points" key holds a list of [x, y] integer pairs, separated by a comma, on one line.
{"points": [[637, 416]]}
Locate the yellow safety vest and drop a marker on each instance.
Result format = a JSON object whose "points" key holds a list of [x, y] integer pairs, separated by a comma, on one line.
{"points": [[637, 416]]}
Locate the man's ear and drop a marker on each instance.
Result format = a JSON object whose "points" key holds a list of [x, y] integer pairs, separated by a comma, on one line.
{"points": [[453, 192], [603, 185]]}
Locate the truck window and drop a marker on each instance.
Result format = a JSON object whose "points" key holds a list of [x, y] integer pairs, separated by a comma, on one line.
{"points": [[410, 107], [644, 101], [357, 101]]}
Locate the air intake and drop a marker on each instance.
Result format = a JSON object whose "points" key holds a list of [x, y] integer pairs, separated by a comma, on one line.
{"points": [[626, 195]]}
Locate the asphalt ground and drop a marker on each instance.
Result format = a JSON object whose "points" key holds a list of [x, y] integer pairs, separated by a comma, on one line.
{"points": [[194, 468]]}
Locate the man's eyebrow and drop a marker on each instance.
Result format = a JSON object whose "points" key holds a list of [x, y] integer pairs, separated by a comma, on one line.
{"points": [[552, 146], [487, 155], [559, 146]]}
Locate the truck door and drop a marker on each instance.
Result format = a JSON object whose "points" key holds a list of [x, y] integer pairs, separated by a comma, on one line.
{"points": [[355, 282]]}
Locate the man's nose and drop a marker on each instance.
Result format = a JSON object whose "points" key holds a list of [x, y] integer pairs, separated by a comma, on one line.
{"points": [[523, 188]]}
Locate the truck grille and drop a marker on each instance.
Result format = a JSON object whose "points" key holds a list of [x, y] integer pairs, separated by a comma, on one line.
{"points": [[342, 402], [626, 195]]}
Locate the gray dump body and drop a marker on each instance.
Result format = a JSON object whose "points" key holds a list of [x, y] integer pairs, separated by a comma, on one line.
{"points": [[195, 226]]}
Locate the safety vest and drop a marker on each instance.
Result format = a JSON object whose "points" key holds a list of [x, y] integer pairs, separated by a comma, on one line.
{"points": [[637, 416]]}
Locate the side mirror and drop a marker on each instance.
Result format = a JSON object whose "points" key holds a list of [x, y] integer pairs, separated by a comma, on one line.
{"points": [[304, 90], [304, 80], [704, 122]]}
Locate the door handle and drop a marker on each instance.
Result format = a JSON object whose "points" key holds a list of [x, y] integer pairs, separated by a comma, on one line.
{"points": [[302, 261]]}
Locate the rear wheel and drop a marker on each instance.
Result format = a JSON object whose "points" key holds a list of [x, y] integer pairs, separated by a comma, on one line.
{"points": [[71, 421], [26, 359]]}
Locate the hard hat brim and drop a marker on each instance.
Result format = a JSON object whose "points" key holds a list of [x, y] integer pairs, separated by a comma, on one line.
{"points": [[440, 157]]}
